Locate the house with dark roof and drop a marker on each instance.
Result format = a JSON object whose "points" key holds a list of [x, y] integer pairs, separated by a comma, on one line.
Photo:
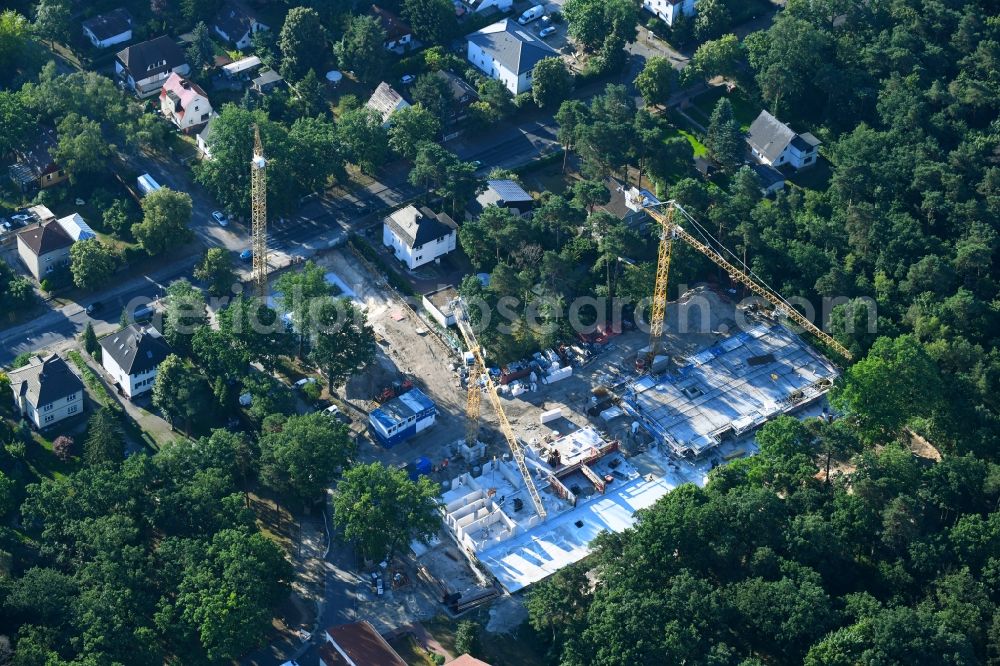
{"points": [[502, 6], [505, 194], [774, 143], [34, 166], [398, 32], [236, 23], [267, 82], [144, 67], [669, 11], [46, 391], [385, 101], [131, 356], [771, 180], [462, 94], [357, 644], [628, 203], [43, 248], [419, 236], [109, 29], [508, 52], [184, 103]]}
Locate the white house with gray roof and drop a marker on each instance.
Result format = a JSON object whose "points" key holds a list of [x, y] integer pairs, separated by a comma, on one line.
{"points": [[774, 143], [46, 391], [132, 356], [419, 236], [508, 52]]}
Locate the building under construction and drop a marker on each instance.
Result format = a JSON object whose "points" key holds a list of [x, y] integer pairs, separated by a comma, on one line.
{"points": [[728, 390], [698, 414]]}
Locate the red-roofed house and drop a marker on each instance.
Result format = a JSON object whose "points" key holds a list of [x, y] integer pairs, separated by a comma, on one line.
{"points": [[357, 644], [184, 102]]}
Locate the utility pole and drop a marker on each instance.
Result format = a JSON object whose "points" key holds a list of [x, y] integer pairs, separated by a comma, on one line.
{"points": [[258, 195]]}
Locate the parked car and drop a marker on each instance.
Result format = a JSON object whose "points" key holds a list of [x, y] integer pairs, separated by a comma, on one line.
{"points": [[246, 255], [94, 307], [547, 32], [305, 380], [5, 225], [531, 14], [408, 79], [21, 218], [219, 217]]}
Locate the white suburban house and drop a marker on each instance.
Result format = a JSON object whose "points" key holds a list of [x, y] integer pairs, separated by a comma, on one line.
{"points": [[43, 248], [109, 29], [46, 391], [145, 66], [774, 143], [669, 10], [184, 103], [236, 23], [204, 137], [507, 51], [131, 356], [503, 193], [418, 236], [386, 101]]}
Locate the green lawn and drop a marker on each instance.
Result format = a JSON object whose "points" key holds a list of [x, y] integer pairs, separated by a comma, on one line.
{"points": [[744, 110]]}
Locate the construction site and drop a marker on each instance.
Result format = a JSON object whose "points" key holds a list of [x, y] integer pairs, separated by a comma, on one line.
{"points": [[537, 458]]}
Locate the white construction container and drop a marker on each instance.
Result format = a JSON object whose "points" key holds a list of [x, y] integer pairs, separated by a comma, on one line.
{"points": [[561, 373], [550, 415]]}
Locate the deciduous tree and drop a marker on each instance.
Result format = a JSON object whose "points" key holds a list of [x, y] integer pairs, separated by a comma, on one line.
{"points": [[362, 49], [92, 263], [551, 82], [299, 455], [166, 215], [380, 509]]}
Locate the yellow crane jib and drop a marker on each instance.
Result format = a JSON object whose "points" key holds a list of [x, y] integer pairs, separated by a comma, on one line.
{"points": [[670, 230], [516, 450]]}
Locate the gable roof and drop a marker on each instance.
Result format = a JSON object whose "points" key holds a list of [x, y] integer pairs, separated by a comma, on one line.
{"points": [[136, 348], [44, 380], [508, 191], [768, 175], [395, 27], [467, 660], [46, 237], [183, 89], [76, 227], [769, 137], [385, 101], [416, 227], [512, 45], [38, 158], [363, 645], [270, 76], [235, 19], [460, 90], [151, 57], [112, 24]]}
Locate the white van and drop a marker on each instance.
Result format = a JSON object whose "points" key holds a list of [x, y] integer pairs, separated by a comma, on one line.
{"points": [[530, 15]]}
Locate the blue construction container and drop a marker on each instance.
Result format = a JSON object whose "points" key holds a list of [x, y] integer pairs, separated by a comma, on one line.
{"points": [[402, 417]]}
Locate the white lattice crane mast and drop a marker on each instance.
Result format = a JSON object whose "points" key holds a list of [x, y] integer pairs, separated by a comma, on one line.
{"points": [[516, 450], [672, 229], [258, 204]]}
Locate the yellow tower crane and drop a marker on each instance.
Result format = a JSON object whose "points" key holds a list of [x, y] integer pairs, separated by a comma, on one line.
{"points": [[472, 408], [258, 202], [670, 230]]}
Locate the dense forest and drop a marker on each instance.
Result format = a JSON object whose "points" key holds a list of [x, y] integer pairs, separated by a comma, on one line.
{"points": [[890, 559]]}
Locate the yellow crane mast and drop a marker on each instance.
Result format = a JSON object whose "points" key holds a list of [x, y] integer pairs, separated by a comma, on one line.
{"points": [[258, 202], [479, 369], [671, 230]]}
